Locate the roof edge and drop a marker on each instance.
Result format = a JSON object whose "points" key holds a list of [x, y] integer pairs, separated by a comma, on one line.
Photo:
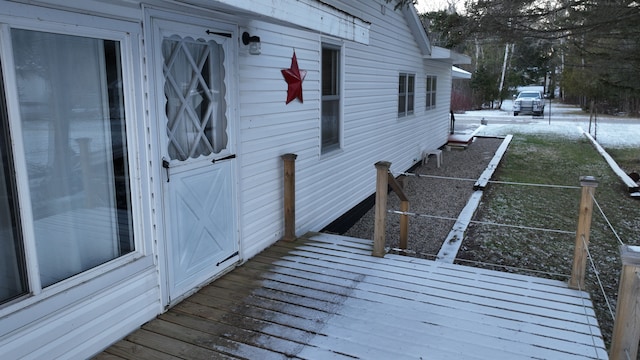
{"points": [[319, 16], [439, 53], [411, 14], [458, 73]]}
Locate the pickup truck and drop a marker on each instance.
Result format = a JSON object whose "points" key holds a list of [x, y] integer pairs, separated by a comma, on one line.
{"points": [[529, 101]]}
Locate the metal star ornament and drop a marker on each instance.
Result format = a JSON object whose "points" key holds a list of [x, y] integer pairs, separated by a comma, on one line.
{"points": [[294, 78]]}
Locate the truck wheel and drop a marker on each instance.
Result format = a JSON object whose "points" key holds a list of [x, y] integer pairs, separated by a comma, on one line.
{"points": [[515, 113]]}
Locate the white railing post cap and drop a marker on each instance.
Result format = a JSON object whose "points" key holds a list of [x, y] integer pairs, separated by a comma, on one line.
{"points": [[630, 255], [588, 181]]}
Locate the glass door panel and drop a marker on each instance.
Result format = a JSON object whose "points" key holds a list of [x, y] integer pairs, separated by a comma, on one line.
{"points": [[73, 126], [194, 91], [13, 280]]}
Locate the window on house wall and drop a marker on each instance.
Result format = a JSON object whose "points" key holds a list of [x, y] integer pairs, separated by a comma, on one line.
{"points": [[73, 157], [406, 94], [432, 85], [330, 98]]}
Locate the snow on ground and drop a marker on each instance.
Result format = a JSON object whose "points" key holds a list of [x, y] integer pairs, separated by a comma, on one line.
{"points": [[564, 120]]}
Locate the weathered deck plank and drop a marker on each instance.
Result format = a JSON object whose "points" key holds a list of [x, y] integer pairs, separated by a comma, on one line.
{"points": [[413, 283], [125, 349], [466, 315], [327, 297], [545, 336]]}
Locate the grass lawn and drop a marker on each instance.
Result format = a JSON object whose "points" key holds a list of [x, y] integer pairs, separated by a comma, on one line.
{"points": [[544, 219]]}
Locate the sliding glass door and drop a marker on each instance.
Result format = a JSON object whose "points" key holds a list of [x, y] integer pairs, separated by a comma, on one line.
{"points": [[73, 149], [13, 277]]}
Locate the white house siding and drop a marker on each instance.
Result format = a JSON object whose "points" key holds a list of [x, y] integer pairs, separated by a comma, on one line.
{"points": [[269, 128], [442, 69], [72, 325], [330, 184]]}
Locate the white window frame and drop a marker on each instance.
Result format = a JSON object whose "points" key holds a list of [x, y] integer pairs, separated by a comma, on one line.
{"points": [[406, 94], [337, 46], [126, 34], [431, 92]]}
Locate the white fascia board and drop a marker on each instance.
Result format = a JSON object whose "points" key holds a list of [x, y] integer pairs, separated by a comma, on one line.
{"points": [[438, 53], [417, 29], [311, 14], [458, 73]]}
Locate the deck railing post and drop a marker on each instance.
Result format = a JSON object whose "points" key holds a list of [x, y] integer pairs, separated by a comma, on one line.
{"points": [[588, 184], [397, 185], [404, 225], [382, 188], [289, 197], [626, 327]]}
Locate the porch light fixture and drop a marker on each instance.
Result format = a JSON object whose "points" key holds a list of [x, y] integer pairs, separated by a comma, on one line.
{"points": [[253, 42]]}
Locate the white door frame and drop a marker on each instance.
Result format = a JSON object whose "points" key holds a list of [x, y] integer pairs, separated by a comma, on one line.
{"points": [[158, 132]]}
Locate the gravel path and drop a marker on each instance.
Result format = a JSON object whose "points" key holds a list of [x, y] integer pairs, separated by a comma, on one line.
{"points": [[433, 196]]}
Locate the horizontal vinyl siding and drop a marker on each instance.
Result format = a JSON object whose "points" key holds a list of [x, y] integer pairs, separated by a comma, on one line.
{"points": [[269, 128], [372, 129], [85, 326], [328, 185], [441, 114]]}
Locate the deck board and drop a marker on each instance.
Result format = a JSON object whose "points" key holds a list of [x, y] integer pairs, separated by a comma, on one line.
{"points": [[467, 314], [434, 276], [326, 297]]}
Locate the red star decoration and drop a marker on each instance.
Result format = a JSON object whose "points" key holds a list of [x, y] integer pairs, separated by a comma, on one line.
{"points": [[294, 77]]}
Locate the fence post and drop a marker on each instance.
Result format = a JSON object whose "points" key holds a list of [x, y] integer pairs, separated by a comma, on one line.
{"points": [[588, 184], [404, 225], [289, 196], [382, 188], [626, 327]]}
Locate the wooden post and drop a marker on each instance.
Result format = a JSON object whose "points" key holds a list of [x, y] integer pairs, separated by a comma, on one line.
{"points": [[397, 187], [404, 225], [289, 197], [626, 328], [379, 228], [588, 184]]}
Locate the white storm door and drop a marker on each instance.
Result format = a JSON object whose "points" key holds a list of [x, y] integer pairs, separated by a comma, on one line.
{"points": [[200, 219]]}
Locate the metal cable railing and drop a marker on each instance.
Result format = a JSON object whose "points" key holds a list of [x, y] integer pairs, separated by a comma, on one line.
{"points": [[607, 220], [629, 348], [408, 213]]}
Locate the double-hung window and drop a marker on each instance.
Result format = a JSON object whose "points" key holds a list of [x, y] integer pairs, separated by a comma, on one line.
{"points": [[330, 127], [432, 85], [406, 94], [65, 203]]}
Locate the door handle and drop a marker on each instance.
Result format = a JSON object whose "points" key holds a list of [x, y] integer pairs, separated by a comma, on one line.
{"points": [[232, 156]]}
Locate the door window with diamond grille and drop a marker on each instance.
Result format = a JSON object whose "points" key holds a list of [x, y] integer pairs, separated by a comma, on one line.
{"points": [[195, 97]]}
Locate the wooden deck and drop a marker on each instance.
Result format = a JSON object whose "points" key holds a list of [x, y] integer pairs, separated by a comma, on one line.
{"points": [[325, 297]]}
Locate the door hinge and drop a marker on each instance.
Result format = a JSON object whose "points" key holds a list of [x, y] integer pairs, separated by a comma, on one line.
{"points": [[228, 258], [165, 164], [232, 156], [209, 32]]}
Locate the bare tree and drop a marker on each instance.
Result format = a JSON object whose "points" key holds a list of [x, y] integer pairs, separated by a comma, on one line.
{"points": [[597, 42]]}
